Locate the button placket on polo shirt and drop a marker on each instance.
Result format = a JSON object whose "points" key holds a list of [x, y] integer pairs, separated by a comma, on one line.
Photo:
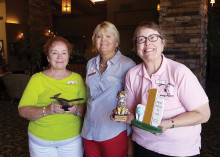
{"points": [[153, 81]]}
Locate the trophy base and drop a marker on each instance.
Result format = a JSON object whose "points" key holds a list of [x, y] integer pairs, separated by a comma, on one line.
{"points": [[146, 127], [120, 118], [65, 107]]}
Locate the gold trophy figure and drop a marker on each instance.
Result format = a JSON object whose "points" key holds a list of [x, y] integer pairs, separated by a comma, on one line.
{"points": [[121, 107]]}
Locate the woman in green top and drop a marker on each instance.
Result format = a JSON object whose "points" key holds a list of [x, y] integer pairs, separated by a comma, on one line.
{"points": [[52, 131]]}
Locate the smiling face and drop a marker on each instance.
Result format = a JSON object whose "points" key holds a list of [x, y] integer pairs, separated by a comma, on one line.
{"points": [[58, 55], [149, 51], [105, 42]]}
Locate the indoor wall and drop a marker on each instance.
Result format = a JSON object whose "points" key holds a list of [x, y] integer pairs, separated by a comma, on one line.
{"points": [[127, 14], [3, 29], [15, 24]]}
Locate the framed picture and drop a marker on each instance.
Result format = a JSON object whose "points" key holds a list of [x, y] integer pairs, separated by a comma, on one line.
{"points": [[1, 45]]}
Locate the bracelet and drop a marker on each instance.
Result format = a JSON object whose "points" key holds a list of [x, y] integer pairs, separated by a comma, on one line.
{"points": [[172, 123], [44, 113]]}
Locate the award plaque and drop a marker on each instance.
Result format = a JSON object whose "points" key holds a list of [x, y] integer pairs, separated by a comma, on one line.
{"points": [[149, 117], [64, 102], [121, 107]]}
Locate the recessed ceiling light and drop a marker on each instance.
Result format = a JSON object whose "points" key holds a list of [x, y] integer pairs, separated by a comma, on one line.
{"points": [[94, 1]]}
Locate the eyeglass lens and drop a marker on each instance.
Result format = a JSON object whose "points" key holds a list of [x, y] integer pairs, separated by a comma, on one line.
{"points": [[151, 38]]}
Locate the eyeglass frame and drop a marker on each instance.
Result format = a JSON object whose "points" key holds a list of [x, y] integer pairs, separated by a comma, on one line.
{"points": [[158, 36]]}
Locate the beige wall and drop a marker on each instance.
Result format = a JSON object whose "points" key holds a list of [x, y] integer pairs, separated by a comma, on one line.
{"points": [[125, 20], [127, 14], [17, 11], [76, 28], [2, 26], [134, 8], [16, 23]]}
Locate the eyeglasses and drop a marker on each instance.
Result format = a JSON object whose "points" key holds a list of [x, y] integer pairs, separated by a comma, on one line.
{"points": [[151, 38]]}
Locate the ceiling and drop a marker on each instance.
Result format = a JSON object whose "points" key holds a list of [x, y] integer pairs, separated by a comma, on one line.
{"points": [[83, 8]]}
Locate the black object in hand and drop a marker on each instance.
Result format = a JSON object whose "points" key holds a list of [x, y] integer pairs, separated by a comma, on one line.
{"points": [[64, 102], [65, 107]]}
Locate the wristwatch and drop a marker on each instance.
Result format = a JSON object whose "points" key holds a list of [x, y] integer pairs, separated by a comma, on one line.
{"points": [[172, 123]]}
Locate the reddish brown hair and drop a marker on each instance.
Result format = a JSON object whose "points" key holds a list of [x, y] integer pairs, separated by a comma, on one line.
{"points": [[50, 42]]}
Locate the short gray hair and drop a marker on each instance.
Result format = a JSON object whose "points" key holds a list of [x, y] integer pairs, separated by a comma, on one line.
{"points": [[150, 25]]}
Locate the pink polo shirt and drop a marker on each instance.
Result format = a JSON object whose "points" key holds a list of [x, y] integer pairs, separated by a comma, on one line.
{"points": [[181, 92]]}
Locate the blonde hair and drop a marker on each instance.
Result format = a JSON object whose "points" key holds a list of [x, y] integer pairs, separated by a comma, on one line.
{"points": [[105, 26]]}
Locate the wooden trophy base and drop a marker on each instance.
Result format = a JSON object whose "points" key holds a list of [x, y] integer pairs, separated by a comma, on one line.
{"points": [[120, 118], [146, 127]]}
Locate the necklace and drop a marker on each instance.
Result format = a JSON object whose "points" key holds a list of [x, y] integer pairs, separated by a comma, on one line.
{"points": [[103, 65]]}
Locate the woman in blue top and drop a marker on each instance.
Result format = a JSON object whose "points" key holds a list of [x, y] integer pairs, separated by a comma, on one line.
{"points": [[105, 77]]}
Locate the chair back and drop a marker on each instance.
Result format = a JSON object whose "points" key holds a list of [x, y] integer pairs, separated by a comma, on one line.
{"points": [[15, 84]]}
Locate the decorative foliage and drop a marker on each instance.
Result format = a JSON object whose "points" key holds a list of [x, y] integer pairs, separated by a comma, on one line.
{"points": [[33, 51], [213, 37], [77, 58]]}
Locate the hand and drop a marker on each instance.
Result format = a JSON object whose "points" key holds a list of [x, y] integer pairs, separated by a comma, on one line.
{"points": [[112, 115], [164, 125], [130, 116], [54, 108], [72, 109]]}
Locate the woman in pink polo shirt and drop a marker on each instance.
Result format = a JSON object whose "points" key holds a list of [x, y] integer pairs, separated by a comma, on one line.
{"points": [[186, 104]]}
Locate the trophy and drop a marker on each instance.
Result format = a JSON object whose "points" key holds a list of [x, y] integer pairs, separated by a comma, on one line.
{"points": [[64, 102], [149, 117], [121, 108]]}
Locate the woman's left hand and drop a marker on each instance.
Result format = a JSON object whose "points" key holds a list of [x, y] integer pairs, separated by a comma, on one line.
{"points": [[72, 109], [190, 118], [164, 125]]}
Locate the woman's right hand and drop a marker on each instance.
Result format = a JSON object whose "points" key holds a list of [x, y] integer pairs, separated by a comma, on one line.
{"points": [[54, 108], [33, 113], [112, 115], [130, 116]]}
